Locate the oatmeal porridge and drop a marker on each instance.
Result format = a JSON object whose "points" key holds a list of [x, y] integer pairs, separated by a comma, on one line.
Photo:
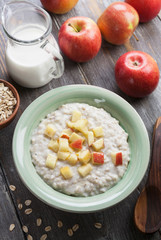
{"points": [[80, 150]]}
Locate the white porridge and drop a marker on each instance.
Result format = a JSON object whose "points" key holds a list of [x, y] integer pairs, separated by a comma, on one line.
{"points": [[80, 150]]}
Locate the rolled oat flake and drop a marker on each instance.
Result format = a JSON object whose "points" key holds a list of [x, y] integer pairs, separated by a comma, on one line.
{"points": [[38, 222], [25, 229], [75, 227], [12, 226], [28, 211], [43, 237], [29, 237], [48, 228], [70, 232], [98, 225], [12, 187]]}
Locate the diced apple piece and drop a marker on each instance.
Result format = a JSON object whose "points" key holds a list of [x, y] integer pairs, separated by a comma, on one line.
{"points": [[70, 124], [76, 115], [84, 170], [117, 158], [90, 138], [63, 155], [75, 137], [85, 131], [81, 125], [50, 130], [71, 150], [63, 145], [77, 144], [72, 159], [69, 131], [66, 172], [98, 132], [51, 161], [97, 157], [66, 133], [99, 144], [53, 145], [84, 156]]}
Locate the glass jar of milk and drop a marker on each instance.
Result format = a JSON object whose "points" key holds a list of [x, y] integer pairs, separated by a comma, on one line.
{"points": [[32, 53]]}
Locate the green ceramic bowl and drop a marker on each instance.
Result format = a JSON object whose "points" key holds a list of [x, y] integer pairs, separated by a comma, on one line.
{"points": [[99, 97]]}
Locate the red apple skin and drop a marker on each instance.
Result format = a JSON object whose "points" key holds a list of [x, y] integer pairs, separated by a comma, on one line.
{"points": [[77, 144], [65, 136], [118, 22], [137, 74], [147, 9], [58, 6], [97, 158], [83, 45], [118, 159]]}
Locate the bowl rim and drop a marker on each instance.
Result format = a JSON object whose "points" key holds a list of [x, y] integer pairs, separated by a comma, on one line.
{"points": [[16, 95], [59, 200]]}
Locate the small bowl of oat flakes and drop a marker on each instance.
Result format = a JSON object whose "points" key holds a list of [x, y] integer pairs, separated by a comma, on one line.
{"points": [[9, 103]]}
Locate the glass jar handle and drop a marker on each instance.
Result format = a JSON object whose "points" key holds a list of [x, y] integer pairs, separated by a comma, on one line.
{"points": [[58, 59]]}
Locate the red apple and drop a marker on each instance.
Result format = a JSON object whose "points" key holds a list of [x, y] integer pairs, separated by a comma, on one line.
{"points": [[97, 158], [58, 6], [118, 22], [147, 9], [77, 144], [117, 158], [137, 73], [80, 39]]}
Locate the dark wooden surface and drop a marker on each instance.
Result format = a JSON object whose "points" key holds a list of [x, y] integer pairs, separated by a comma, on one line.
{"points": [[117, 222], [147, 214]]}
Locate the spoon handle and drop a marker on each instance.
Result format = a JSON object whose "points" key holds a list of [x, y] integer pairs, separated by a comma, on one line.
{"points": [[155, 168]]}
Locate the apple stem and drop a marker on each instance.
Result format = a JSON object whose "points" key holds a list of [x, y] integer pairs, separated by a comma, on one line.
{"points": [[137, 39], [71, 25], [135, 63]]}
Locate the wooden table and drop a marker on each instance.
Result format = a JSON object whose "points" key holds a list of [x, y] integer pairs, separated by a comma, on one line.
{"points": [[117, 222]]}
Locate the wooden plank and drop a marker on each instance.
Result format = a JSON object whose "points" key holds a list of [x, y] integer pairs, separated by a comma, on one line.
{"points": [[8, 214]]}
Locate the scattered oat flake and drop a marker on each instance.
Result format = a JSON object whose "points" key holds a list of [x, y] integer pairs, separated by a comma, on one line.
{"points": [[28, 202], [25, 229], [28, 211], [98, 225], [75, 227], [44, 237], [48, 229], [29, 237], [38, 222], [12, 226], [60, 224], [70, 232], [20, 206], [12, 187]]}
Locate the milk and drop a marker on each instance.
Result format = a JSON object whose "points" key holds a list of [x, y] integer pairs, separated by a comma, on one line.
{"points": [[29, 65]]}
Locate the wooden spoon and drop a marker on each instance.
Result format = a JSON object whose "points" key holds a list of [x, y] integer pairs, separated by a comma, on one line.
{"points": [[147, 214]]}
